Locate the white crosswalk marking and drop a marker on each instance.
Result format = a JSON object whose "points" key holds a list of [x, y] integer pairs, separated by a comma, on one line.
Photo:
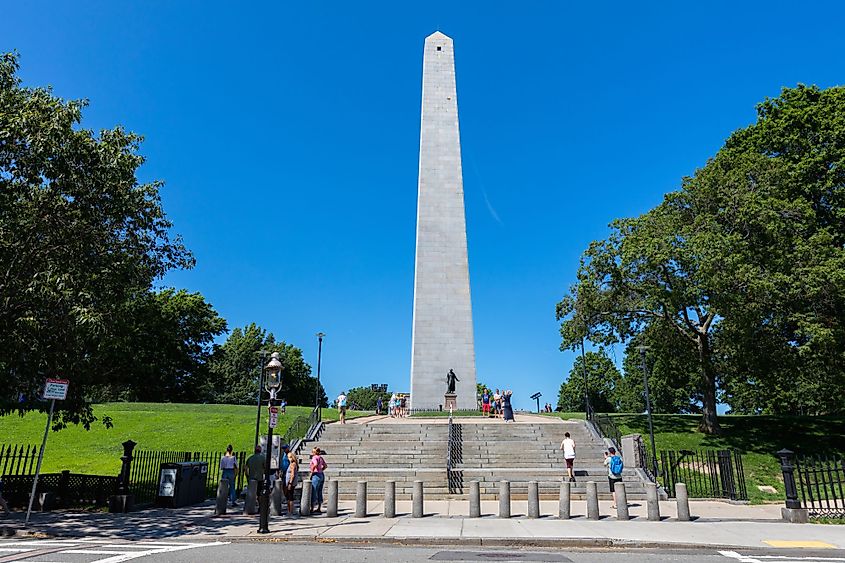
{"points": [[779, 558], [115, 550]]}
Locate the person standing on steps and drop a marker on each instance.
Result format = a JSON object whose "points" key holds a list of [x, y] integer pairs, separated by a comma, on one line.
{"points": [[341, 406], [485, 402], [507, 409], [614, 465], [568, 447], [379, 404], [228, 467], [316, 467]]}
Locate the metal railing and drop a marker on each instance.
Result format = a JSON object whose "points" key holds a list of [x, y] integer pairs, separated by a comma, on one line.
{"points": [[146, 466], [17, 459], [707, 473], [607, 428], [821, 485], [454, 456]]}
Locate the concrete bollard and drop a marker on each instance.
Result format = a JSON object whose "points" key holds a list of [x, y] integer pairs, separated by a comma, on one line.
{"points": [[331, 508], [361, 500], [683, 502], [621, 502], [474, 500], [533, 500], [390, 499], [305, 499], [222, 497], [277, 497], [418, 500], [653, 502], [592, 501], [251, 499], [504, 499], [564, 511]]}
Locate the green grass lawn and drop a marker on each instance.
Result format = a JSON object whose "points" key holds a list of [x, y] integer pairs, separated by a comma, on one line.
{"points": [[758, 437], [154, 426], [565, 415]]}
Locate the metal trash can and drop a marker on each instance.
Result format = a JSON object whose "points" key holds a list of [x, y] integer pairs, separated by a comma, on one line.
{"points": [[182, 484]]}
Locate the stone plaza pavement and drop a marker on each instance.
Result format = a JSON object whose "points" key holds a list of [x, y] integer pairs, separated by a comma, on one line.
{"points": [[717, 525]]}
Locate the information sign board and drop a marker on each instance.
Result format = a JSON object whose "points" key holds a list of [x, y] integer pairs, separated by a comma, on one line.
{"points": [[56, 389]]}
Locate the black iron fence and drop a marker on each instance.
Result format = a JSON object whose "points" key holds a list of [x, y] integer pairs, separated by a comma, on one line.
{"points": [[706, 473], [607, 428], [821, 485], [17, 459], [146, 466], [64, 490]]}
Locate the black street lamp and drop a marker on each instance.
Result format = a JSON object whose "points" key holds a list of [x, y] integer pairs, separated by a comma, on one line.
{"points": [[317, 406], [272, 384], [260, 386], [587, 409], [643, 350]]}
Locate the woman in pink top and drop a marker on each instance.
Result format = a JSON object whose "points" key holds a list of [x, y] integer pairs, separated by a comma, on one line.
{"points": [[317, 466]]}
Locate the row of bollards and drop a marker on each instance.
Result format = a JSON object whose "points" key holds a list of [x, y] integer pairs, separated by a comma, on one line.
{"points": [[564, 506]]}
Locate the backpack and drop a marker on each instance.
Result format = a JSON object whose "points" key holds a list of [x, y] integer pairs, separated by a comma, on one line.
{"points": [[616, 465]]}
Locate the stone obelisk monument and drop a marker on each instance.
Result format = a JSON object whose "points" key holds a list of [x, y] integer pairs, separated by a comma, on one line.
{"points": [[442, 334]]}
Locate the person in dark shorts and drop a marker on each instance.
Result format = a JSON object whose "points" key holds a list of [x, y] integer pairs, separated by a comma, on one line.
{"points": [[568, 447], [614, 465], [291, 479]]}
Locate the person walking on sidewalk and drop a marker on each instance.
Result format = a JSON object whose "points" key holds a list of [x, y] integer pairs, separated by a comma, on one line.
{"points": [[291, 480], [568, 447], [228, 467], [614, 465], [341, 406], [316, 467]]}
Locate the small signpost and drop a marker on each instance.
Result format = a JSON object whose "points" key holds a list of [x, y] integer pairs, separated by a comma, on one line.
{"points": [[274, 416], [54, 390]]}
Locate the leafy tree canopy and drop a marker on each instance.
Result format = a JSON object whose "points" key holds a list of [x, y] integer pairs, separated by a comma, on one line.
{"points": [[602, 381]]}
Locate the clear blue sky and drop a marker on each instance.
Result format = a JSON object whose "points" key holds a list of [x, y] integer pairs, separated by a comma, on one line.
{"points": [[288, 134]]}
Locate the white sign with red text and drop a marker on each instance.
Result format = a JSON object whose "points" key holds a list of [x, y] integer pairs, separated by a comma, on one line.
{"points": [[56, 389], [274, 416]]}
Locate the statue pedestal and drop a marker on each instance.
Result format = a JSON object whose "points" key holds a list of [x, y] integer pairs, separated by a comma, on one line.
{"points": [[450, 401]]}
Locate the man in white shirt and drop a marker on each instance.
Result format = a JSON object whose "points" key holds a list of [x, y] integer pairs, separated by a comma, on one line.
{"points": [[341, 406], [568, 447]]}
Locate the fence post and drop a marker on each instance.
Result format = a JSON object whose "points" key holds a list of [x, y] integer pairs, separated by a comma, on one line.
{"points": [[621, 501], [504, 499], [390, 499], [564, 511], [792, 512], [305, 499], [592, 501], [682, 499], [418, 500], [474, 499], [222, 497], [361, 500], [653, 502], [533, 500], [331, 509]]}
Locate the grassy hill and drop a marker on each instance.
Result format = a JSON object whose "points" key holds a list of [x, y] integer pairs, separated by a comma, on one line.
{"points": [[156, 426]]}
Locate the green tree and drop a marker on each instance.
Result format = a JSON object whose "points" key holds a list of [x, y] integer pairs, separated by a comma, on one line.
{"points": [[161, 348], [365, 398], [602, 380], [235, 369], [80, 237], [752, 245]]}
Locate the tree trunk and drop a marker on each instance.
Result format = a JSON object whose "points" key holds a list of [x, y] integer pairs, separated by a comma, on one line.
{"points": [[709, 423]]}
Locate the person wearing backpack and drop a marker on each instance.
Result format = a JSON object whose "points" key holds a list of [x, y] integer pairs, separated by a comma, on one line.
{"points": [[614, 465]]}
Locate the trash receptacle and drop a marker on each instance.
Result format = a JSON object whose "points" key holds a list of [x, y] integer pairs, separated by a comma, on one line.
{"points": [[181, 484]]}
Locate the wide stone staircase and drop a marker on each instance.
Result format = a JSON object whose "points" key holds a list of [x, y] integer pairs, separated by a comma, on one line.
{"points": [[482, 450]]}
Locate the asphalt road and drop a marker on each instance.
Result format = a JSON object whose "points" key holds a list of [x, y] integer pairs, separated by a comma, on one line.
{"points": [[95, 550]]}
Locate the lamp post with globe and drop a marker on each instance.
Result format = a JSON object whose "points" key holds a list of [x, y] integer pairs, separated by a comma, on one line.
{"points": [[272, 382]]}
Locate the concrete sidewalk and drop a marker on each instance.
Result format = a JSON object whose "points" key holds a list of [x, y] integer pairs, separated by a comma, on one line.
{"points": [[719, 525]]}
